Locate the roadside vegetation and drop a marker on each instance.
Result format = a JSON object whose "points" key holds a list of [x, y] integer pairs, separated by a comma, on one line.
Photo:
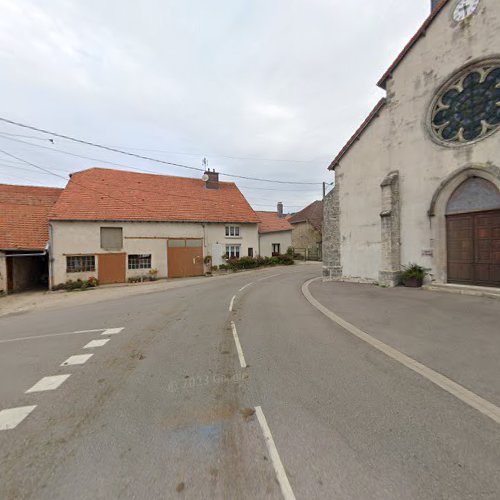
{"points": [[255, 262]]}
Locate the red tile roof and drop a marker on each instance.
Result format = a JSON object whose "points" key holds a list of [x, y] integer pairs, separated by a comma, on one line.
{"points": [[421, 32], [271, 223], [24, 216], [373, 114], [313, 214], [116, 195]]}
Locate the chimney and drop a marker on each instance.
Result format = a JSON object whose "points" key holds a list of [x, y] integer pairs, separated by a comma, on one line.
{"points": [[434, 4], [213, 179], [280, 209]]}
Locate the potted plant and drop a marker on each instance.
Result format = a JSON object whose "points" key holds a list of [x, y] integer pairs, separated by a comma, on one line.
{"points": [[413, 275]]}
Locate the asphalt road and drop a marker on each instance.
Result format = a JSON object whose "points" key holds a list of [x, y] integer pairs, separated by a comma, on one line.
{"points": [[165, 409]]}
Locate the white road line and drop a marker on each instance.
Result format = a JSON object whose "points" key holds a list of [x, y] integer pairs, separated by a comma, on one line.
{"points": [[79, 359], [34, 337], [11, 418], [48, 383], [96, 343], [232, 303], [269, 277], [111, 331], [246, 286], [460, 392], [243, 363], [286, 489]]}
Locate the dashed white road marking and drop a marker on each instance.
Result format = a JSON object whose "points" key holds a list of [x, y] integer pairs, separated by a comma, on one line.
{"points": [[243, 363], [111, 331], [12, 417], [48, 383], [232, 303], [96, 343], [463, 394], [34, 337], [79, 359], [246, 286], [281, 476]]}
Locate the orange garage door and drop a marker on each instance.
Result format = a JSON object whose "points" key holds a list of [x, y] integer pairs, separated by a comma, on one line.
{"points": [[111, 268], [185, 257]]}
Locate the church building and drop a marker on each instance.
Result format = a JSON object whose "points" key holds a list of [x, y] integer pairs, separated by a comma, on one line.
{"points": [[419, 181]]}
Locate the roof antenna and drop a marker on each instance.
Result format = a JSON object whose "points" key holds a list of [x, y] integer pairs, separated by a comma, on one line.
{"points": [[204, 163]]}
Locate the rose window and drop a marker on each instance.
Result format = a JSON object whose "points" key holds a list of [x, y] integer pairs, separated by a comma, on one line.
{"points": [[468, 107]]}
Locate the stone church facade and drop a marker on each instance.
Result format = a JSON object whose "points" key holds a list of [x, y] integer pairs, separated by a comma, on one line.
{"points": [[419, 181]]}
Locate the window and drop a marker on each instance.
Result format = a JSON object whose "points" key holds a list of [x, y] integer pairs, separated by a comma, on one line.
{"points": [[250, 252], [276, 248], [139, 261], [194, 243], [111, 238], [233, 251], [466, 108], [80, 263], [232, 231]]}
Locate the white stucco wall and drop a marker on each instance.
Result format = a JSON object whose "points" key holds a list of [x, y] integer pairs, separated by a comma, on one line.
{"points": [[284, 238], [83, 238], [399, 140], [3, 273]]}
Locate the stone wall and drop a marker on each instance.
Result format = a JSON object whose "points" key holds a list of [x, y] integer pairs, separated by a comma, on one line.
{"points": [[305, 235], [332, 267]]}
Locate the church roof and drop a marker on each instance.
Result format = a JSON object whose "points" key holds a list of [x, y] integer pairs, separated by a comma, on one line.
{"points": [[420, 33]]}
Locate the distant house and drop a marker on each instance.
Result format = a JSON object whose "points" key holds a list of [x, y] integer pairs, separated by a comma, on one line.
{"points": [[275, 233], [307, 232], [24, 236], [117, 225]]}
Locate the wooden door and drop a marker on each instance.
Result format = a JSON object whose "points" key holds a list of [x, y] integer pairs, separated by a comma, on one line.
{"points": [[474, 248], [111, 268], [185, 257], [487, 248]]}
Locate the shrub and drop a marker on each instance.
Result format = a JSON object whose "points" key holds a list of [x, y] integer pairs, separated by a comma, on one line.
{"points": [[286, 260], [214, 268], [290, 251], [414, 271]]}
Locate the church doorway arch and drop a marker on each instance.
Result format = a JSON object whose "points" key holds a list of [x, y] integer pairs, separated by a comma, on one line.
{"points": [[473, 233], [464, 215]]}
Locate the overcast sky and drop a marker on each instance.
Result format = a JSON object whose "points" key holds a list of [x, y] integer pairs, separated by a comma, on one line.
{"points": [[263, 88]]}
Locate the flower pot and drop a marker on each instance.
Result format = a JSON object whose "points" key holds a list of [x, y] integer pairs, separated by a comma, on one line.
{"points": [[413, 282]]}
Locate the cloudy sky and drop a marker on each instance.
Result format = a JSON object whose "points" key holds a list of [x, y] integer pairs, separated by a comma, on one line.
{"points": [[261, 88]]}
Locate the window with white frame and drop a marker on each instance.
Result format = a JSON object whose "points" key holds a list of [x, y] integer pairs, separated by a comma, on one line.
{"points": [[232, 231], [80, 263], [233, 251], [139, 261]]}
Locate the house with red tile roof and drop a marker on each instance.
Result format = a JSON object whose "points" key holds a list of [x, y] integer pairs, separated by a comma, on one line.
{"points": [[117, 225], [308, 230], [24, 235], [275, 233]]}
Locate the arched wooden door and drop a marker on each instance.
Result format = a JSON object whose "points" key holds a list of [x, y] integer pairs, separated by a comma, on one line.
{"points": [[473, 234]]}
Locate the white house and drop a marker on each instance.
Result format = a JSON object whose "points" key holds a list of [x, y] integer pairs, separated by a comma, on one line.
{"points": [[275, 233], [115, 225]]}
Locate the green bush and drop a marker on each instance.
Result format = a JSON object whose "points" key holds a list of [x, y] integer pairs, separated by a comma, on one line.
{"points": [[77, 285], [253, 263]]}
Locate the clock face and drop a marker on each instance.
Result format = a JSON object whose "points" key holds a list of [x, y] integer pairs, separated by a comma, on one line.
{"points": [[464, 9]]}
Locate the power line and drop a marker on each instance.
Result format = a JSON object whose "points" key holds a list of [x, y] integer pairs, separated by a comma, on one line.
{"points": [[134, 189], [142, 157]]}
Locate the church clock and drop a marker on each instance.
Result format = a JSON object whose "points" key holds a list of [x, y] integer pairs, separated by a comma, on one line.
{"points": [[464, 9]]}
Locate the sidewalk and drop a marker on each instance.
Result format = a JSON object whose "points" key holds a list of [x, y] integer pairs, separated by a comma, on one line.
{"points": [[456, 335]]}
